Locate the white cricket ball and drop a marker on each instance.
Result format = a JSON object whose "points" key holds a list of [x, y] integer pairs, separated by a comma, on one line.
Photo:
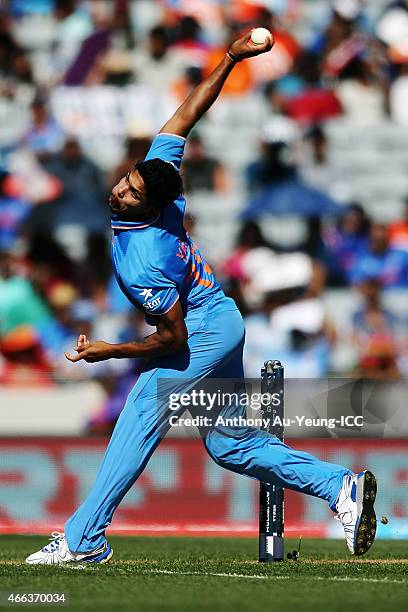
{"points": [[259, 35]]}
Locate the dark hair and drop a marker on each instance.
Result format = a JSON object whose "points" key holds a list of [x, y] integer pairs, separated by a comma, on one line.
{"points": [[162, 181], [189, 28], [316, 133], [159, 32], [250, 235]]}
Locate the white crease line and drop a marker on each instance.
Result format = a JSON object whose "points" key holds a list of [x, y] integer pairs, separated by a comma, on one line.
{"points": [[279, 577], [91, 567], [220, 575]]}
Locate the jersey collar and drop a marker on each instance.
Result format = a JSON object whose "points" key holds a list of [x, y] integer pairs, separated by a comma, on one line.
{"points": [[132, 225]]}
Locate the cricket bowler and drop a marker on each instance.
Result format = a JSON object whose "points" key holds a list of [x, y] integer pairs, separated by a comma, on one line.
{"points": [[199, 334]]}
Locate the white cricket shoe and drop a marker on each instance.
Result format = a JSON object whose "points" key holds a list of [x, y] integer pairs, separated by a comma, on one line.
{"points": [[58, 552], [355, 510]]}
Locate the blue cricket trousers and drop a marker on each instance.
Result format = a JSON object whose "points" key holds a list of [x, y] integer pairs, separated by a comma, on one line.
{"points": [[216, 338]]}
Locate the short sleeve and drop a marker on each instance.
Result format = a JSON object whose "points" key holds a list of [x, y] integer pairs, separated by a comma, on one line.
{"points": [[156, 296], [168, 147]]}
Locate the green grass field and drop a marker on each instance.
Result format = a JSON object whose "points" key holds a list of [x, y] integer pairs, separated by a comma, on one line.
{"points": [[217, 574]]}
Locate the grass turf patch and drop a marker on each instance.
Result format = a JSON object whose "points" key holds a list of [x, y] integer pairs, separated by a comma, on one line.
{"points": [[181, 574]]}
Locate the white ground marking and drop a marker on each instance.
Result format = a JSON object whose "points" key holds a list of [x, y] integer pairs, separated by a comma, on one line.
{"points": [[272, 577], [95, 567]]}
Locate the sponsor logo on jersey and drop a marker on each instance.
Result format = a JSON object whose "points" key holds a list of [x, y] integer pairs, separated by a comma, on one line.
{"points": [[152, 304], [146, 293]]}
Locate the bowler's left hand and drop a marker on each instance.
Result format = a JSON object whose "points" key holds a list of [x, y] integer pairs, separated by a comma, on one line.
{"points": [[91, 352]]}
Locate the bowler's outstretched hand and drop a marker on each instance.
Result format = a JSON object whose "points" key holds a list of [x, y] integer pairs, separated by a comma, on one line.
{"points": [[91, 352]]}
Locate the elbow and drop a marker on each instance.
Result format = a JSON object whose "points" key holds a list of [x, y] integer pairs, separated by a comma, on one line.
{"points": [[172, 334], [180, 342]]}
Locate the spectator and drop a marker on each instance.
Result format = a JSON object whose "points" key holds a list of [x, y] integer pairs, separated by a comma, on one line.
{"points": [[73, 26], [360, 94], [318, 140], [44, 135], [346, 241], [266, 271], [249, 237], [158, 65], [297, 328], [375, 334], [399, 96], [48, 265], [392, 30], [25, 363], [317, 166], [122, 36], [22, 80], [19, 302], [275, 163], [308, 102], [115, 65], [379, 260], [8, 46], [201, 172], [72, 315], [189, 41], [335, 44], [13, 211], [82, 201], [398, 231], [28, 178], [57, 334], [192, 77], [315, 247], [87, 65]]}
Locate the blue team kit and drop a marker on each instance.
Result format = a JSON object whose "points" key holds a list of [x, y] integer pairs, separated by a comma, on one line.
{"points": [[156, 263]]}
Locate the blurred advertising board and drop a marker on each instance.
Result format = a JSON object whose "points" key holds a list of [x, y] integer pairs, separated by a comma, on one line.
{"points": [[182, 491]]}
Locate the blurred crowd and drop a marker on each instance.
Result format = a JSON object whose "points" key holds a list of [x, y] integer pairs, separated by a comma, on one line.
{"points": [[85, 84]]}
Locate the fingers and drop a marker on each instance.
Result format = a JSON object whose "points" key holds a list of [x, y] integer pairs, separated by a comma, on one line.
{"points": [[270, 41], [82, 343], [82, 340], [262, 47], [74, 358]]}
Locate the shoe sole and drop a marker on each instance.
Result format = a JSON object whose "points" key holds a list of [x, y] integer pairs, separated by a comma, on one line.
{"points": [[366, 527], [99, 561], [73, 561], [108, 558]]}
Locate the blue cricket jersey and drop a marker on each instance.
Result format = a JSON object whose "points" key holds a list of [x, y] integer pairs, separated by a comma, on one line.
{"points": [[156, 262]]}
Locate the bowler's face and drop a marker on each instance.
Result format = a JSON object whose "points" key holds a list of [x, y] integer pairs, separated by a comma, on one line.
{"points": [[128, 197]]}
